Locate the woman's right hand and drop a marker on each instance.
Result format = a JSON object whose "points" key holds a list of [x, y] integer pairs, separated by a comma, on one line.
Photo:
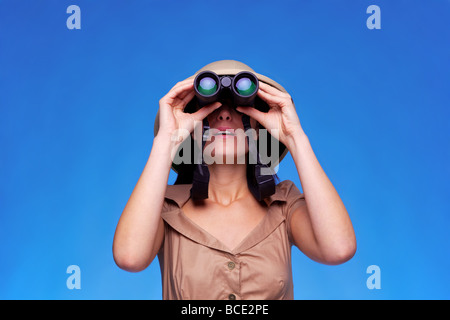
{"points": [[173, 121]]}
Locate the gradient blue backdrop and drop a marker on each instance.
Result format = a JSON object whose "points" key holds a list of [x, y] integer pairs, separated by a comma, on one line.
{"points": [[76, 128]]}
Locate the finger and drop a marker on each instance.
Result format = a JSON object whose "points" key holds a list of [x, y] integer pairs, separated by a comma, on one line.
{"points": [[189, 96], [179, 92], [272, 90], [205, 111], [181, 83], [186, 92], [253, 113], [181, 104], [275, 92], [181, 87], [270, 98]]}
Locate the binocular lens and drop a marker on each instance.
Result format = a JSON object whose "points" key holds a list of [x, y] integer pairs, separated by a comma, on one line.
{"points": [[207, 86], [245, 86]]}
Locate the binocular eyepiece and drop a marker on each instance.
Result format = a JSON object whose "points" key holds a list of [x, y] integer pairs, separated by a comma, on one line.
{"points": [[209, 87]]}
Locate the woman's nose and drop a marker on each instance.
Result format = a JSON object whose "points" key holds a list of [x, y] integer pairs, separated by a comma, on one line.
{"points": [[224, 114]]}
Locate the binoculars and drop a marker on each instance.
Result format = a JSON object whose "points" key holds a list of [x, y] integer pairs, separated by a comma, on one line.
{"points": [[242, 87]]}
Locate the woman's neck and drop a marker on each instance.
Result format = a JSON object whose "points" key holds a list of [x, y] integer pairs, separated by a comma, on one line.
{"points": [[227, 183]]}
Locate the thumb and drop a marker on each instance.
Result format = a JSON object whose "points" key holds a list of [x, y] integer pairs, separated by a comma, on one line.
{"points": [[253, 113], [202, 113]]}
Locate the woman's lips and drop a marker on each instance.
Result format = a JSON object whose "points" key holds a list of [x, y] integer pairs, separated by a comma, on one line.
{"points": [[224, 132]]}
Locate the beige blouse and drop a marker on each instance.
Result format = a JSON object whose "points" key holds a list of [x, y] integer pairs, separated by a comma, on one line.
{"points": [[195, 265]]}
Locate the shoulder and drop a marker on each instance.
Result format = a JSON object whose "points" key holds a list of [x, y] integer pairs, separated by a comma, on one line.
{"points": [[174, 190], [288, 190], [285, 186], [286, 194], [178, 194]]}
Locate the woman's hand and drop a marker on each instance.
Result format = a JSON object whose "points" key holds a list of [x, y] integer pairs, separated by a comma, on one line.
{"points": [[281, 116], [173, 121]]}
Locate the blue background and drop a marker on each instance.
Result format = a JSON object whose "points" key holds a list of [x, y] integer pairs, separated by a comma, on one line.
{"points": [[76, 128]]}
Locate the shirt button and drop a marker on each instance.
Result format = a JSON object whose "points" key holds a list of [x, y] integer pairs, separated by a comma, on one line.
{"points": [[231, 297], [231, 265]]}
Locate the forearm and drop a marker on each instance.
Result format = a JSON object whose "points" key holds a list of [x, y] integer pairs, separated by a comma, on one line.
{"points": [[136, 231], [330, 222]]}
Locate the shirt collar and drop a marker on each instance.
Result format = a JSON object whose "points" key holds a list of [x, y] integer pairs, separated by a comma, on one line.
{"points": [[180, 194]]}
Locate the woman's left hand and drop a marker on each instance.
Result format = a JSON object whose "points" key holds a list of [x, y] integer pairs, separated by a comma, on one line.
{"points": [[281, 121]]}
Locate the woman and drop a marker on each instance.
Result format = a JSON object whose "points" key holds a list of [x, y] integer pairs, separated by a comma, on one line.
{"points": [[230, 245]]}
